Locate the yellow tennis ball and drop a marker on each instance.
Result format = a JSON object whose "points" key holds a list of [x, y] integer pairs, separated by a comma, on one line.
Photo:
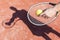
{"points": [[38, 12]]}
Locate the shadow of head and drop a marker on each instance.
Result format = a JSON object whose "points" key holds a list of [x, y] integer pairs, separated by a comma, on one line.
{"points": [[19, 13]]}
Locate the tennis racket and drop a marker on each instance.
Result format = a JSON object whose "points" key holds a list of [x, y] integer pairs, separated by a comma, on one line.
{"points": [[46, 16]]}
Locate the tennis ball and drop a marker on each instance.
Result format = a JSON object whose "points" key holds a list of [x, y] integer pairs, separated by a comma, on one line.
{"points": [[38, 12]]}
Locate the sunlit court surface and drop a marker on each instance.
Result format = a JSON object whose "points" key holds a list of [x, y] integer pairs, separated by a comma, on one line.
{"points": [[19, 27]]}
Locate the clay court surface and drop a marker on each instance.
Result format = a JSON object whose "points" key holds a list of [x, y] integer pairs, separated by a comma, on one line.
{"points": [[23, 29]]}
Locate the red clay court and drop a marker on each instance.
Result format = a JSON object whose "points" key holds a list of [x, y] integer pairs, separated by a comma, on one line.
{"points": [[23, 29]]}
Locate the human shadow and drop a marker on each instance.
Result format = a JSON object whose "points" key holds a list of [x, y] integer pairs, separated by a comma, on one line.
{"points": [[36, 30]]}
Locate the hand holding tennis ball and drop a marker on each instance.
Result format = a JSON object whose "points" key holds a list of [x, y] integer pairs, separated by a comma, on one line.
{"points": [[49, 12]]}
